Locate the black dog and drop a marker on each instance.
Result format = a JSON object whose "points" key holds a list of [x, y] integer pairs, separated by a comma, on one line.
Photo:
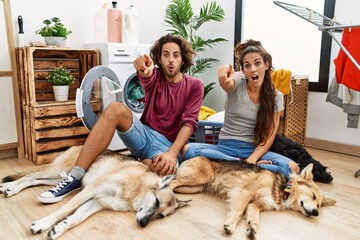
{"points": [[298, 153]]}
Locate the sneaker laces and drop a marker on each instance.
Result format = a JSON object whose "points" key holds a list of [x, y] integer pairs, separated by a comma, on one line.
{"points": [[66, 178]]}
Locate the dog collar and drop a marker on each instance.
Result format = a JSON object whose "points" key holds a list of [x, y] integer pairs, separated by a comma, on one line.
{"points": [[288, 189]]}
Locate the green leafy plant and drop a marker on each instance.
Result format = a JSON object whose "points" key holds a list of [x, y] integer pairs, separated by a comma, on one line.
{"points": [[60, 77], [53, 28], [182, 21]]}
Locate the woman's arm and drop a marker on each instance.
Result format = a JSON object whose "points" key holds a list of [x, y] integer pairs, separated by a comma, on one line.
{"points": [[225, 76], [263, 147]]}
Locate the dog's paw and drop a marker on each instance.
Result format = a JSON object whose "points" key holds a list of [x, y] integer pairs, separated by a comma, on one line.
{"points": [[2, 188], [251, 233], [53, 234], [11, 191], [229, 228], [57, 230], [7, 189], [40, 226]]}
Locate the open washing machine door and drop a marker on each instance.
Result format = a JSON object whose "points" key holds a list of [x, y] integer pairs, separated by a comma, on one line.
{"points": [[99, 88]]}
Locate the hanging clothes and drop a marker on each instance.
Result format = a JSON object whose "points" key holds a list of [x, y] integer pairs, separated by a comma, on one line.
{"points": [[346, 71], [347, 99], [282, 80]]}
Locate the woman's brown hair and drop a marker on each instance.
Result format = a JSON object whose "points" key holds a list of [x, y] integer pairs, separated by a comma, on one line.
{"points": [[187, 53], [264, 121]]}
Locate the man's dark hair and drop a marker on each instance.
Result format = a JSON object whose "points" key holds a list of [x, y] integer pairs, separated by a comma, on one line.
{"points": [[187, 53]]}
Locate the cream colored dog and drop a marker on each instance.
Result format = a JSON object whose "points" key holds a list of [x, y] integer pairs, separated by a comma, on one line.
{"points": [[114, 181], [249, 189]]}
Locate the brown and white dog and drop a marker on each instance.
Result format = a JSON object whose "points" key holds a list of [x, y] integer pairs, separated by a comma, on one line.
{"points": [[249, 189], [108, 184]]}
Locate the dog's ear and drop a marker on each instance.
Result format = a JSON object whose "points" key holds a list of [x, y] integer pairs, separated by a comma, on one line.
{"points": [[325, 201], [181, 203], [165, 181], [306, 173]]}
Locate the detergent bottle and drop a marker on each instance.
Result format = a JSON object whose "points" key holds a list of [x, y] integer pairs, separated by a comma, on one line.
{"points": [[131, 25], [114, 23], [101, 24]]}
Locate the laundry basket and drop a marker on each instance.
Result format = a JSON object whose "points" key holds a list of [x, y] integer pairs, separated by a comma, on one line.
{"points": [[293, 123], [207, 132]]}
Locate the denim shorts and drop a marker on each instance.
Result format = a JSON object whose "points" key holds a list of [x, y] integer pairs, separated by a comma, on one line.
{"points": [[143, 141]]}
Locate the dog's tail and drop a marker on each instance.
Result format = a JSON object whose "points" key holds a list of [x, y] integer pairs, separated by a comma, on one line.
{"points": [[12, 177], [16, 176]]}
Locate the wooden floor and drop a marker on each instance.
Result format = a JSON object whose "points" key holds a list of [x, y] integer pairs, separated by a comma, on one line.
{"points": [[203, 218]]}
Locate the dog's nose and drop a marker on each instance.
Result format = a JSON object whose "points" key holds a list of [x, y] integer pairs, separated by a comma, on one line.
{"points": [[143, 222], [330, 178], [315, 212]]}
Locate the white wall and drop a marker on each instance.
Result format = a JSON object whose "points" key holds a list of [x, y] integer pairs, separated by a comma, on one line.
{"points": [[78, 15], [288, 38], [325, 121], [295, 44], [7, 114]]}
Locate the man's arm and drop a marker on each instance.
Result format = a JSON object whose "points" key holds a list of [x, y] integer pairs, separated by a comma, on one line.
{"points": [[144, 65], [165, 164]]}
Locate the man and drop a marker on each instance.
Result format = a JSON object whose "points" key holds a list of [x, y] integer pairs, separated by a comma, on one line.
{"points": [[172, 103]]}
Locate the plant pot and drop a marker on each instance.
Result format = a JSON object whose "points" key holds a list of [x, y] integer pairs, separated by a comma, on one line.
{"points": [[61, 93], [55, 41]]}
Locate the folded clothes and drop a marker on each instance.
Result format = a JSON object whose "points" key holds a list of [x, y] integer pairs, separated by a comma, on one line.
{"points": [[205, 112]]}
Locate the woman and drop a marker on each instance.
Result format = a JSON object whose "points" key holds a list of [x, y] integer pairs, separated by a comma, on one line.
{"points": [[252, 113]]}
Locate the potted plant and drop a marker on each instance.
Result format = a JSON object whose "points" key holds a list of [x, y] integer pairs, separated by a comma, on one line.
{"points": [[61, 79], [182, 21], [54, 32]]}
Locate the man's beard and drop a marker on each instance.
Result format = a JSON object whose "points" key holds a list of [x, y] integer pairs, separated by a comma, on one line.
{"points": [[171, 73]]}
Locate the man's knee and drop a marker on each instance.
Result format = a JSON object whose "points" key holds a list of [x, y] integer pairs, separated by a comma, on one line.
{"points": [[116, 110], [118, 114]]}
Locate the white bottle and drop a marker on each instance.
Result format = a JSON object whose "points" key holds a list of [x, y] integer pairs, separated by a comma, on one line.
{"points": [[131, 25], [101, 24]]}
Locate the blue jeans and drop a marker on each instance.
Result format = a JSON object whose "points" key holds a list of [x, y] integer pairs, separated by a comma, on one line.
{"points": [[143, 141], [235, 150]]}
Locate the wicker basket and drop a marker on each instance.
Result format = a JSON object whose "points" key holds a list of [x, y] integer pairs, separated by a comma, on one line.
{"points": [[292, 123]]}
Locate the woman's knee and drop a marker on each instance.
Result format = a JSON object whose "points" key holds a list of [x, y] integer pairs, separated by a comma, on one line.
{"points": [[285, 168], [184, 149], [189, 151]]}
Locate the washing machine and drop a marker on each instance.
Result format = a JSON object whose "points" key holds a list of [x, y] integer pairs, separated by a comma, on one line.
{"points": [[114, 80]]}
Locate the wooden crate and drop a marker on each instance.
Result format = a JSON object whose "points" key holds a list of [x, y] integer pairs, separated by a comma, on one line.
{"points": [[51, 127], [34, 64], [293, 122]]}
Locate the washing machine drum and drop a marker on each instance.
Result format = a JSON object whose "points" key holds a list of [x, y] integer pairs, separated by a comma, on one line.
{"points": [[99, 88], [134, 94]]}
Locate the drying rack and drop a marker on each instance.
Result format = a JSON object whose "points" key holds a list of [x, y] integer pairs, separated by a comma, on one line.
{"points": [[324, 23]]}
